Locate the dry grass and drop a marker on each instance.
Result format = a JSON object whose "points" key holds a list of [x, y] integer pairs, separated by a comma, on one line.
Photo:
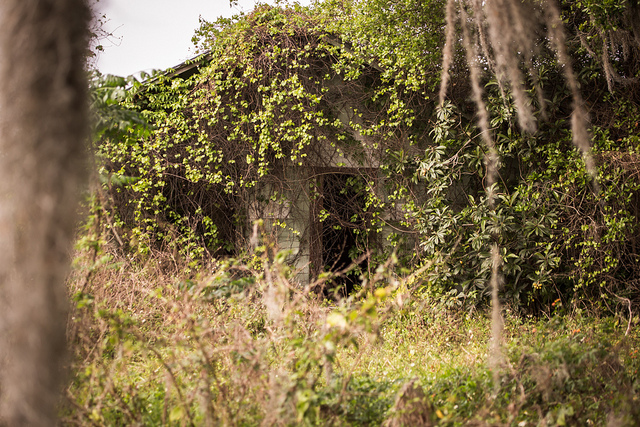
{"points": [[240, 345]]}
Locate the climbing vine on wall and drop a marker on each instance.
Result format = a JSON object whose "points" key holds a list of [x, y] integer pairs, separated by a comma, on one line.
{"points": [[275, 92]]}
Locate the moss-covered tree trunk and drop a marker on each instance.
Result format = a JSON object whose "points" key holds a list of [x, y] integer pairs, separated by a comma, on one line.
{"points": [[42, 131]]}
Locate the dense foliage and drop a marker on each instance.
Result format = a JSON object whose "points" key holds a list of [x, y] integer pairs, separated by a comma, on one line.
{"points": [[268, 94]]}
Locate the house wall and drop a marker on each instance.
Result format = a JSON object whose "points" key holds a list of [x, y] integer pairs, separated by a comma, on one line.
{"points": [[286, 219], [291, 219]]}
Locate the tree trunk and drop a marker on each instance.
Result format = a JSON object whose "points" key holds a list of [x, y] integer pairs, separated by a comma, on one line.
{"points": [[42, 162]]}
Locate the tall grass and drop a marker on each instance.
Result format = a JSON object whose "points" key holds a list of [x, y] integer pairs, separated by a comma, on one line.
{"points": [[241, 344]]}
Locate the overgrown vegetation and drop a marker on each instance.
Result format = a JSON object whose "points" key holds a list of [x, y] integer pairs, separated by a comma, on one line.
{"points": [[284, 95], [240, 346], [203, 267]]}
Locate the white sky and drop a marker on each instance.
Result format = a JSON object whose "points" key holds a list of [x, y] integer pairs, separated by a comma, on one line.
{"points": [[156, 34]]}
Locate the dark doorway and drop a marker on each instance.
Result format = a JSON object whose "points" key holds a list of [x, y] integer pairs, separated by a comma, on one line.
{"points": [[341, 215]]}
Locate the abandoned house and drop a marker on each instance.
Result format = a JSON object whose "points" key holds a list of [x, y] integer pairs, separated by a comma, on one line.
{"points": [[273, 131]]}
